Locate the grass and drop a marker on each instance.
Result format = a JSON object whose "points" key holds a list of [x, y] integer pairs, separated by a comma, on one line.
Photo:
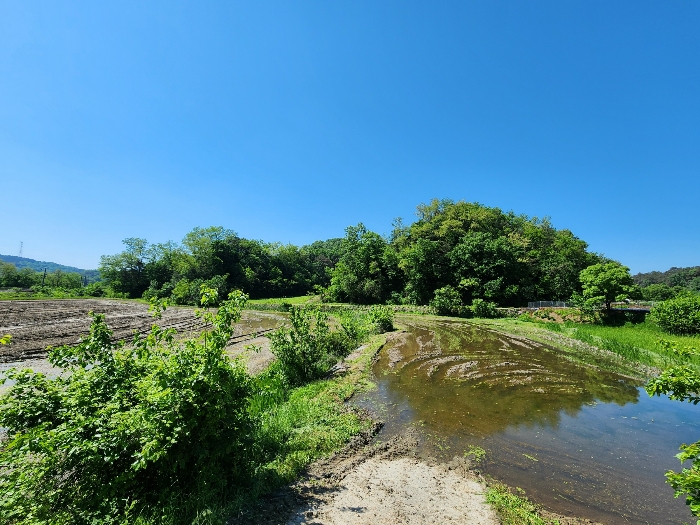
{"points": [[515, 509], [641, 349], [311, 423]]}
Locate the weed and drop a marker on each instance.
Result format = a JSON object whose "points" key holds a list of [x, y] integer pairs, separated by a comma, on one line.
{"points": [[515, 509]]}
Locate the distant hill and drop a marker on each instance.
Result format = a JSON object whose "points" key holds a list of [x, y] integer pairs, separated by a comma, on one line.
{"points": [[685, 277], [38, 266]]}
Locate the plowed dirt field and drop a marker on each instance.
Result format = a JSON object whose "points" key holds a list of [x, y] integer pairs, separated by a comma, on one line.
{"points": [[35, 325]]}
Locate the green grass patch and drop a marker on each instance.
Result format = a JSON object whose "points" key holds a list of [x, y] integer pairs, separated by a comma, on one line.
{"points": [[515, 509], [643, 343], [639, 348]]}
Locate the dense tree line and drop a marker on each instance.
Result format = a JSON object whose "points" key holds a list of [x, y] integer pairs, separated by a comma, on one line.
{"points": [[11, 277], [220, 259], [465, 250]]}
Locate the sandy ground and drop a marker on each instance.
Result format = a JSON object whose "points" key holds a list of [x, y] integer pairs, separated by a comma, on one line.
{"points": [[377, 483], [403, 490]]}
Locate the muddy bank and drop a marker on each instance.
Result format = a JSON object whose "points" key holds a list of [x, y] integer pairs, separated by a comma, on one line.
{"points": [[377, 483]]}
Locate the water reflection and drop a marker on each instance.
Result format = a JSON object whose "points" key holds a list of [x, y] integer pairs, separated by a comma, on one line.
{"points": [[490, 382], [582, 441]]}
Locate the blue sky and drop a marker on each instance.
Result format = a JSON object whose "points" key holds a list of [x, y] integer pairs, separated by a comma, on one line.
{"points": [[288, 121]]}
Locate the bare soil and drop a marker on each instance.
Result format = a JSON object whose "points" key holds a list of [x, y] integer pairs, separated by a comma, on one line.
{"points": [[36, 325]]}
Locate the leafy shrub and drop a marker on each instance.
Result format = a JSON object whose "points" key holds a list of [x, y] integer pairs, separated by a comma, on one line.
{"points": [[682, 383], [678, 316], [128, 430], [95, 290], [187, 292], [308, 349], [484, 309], [448, 301], [382, 319]]}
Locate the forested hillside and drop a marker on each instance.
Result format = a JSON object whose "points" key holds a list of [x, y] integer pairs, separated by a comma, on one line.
{"points": [[39, 266], [659, 286], [466, 250]]}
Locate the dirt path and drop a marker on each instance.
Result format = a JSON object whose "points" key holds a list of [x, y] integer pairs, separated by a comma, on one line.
{"points": [[377, 483], [403, 490]]}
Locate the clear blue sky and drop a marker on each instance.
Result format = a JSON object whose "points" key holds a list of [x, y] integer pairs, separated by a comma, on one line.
{"points": [[288, 121]]}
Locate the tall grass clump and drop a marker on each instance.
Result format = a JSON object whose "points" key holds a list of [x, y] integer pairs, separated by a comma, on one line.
{"points": [[515, 509], [644, 343]]}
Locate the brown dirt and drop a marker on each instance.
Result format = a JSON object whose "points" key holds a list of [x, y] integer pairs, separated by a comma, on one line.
{"points": [[35, 325], [370, 483]]}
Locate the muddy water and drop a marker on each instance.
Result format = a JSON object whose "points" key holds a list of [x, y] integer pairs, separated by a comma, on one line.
{"points": [[580, 441]]}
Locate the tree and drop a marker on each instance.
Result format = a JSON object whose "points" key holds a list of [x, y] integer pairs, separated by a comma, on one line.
{"points": [[124, 272], [363, 274], [604, 283]]}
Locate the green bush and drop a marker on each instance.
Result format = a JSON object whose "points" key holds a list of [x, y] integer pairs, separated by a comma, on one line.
{"points": [[127, 431], [484, 309], [448, 301], [308, 349], [680, 315], [382, 319]]}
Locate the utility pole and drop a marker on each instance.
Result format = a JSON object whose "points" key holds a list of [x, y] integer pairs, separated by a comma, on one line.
{"points": [[43, 277]]}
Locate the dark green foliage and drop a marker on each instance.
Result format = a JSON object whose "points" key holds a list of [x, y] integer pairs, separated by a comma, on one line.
{"points": [[127, 431], [366, 269], [11, 277], [683, 278], [658, 292], [680, 315], [484, 253], [448, 301], [481, 252], [218, 258], [483, 309]]}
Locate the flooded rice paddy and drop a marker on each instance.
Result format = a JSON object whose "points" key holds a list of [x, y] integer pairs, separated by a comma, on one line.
{"points": [[581, 441]]}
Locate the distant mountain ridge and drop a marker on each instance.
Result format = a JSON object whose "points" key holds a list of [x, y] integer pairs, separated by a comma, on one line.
{"points": [[38, 266], [685, 277]]}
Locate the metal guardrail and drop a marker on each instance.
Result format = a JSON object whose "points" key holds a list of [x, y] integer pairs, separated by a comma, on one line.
{"points": [[549, 304]]}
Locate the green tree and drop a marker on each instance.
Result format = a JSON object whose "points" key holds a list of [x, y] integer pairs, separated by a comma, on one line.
{"points": [[364, 272], [605, 283], [657, 292], [125, 271]]}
